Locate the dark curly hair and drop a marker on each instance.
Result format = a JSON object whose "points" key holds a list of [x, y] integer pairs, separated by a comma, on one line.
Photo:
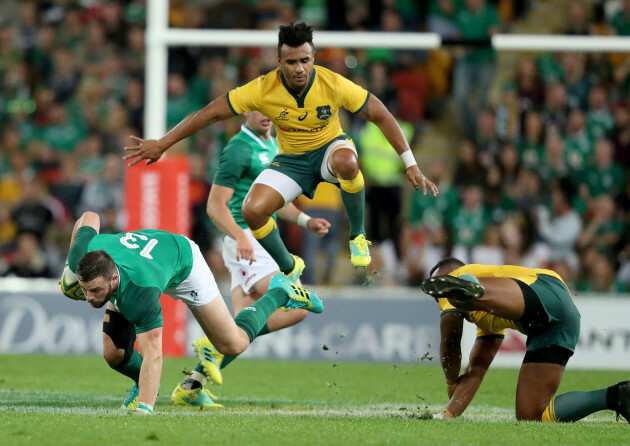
{"points": [[448, 261], [294, 35], [96, 264]]}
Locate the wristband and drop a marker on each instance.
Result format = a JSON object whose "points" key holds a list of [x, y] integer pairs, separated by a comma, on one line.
{"points": [[303, 219], [408, 159], [144, 408]]}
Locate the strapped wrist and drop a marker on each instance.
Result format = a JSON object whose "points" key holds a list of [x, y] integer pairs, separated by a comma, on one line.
{"points": [[303, 219], [408, 159]]}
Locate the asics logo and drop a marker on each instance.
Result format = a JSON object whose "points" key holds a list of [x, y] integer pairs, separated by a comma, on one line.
{"points": [[303, 117]]}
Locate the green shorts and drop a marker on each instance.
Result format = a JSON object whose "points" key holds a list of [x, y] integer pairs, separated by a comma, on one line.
{"points": [[562, 325], [307, 169]]}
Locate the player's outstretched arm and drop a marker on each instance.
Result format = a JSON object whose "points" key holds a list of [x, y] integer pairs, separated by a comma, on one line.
{"points": [[451, 328], [483, 352], [88, 218], [375, 111], [150, 343], [218, 210], [291, 213], [152, 150]]}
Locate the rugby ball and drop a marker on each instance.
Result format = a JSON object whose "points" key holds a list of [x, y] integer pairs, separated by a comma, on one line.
{"points": [[70, 285]]}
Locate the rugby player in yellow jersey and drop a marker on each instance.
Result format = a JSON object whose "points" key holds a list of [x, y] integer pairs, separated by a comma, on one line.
{"points": [[535, 302], [303, 101]]}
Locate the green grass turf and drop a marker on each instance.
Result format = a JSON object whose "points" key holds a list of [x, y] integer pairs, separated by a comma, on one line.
{"points": [[63, 400]]}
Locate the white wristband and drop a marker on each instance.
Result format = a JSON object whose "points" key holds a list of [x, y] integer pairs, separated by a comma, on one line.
{"points": [[303, 219], [408, 158]]}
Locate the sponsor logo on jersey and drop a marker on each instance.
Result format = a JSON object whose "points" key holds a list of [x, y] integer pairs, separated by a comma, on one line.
{"points": [[303, 116], [321, 127], [323, 112], [283, 116]]}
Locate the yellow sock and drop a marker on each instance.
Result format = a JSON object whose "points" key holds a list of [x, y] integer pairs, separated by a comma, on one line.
{"points": [[264, 230], [353, 186], [549, 415]]}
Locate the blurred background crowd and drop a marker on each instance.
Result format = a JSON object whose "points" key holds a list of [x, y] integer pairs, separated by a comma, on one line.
{"points": [[530, 150]]}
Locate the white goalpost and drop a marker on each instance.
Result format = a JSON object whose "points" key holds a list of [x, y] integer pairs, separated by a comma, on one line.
{"points": [[159, 37]]}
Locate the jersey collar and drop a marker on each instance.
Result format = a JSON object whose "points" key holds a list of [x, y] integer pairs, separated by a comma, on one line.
{"points": [[299, 99], [252, 134]]}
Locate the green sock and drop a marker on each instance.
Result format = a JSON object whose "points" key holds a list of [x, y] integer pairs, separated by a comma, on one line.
{"points": [[131, 368], [254, 321], [228, 359], [274, 245], [200, 368], [573, 406], [355, 207]]}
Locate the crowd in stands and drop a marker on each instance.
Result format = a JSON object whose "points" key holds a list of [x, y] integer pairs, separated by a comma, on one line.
{"points": [[539, 177]]}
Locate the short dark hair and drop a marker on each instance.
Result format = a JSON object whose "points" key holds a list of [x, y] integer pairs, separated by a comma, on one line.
{"points": [[448, 261], [294, 35], [96, 264]]}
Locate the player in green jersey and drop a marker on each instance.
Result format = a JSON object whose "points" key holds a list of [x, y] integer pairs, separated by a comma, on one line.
{"points": [[128, 272], [303, 102], [251, 267], [535, 302]]}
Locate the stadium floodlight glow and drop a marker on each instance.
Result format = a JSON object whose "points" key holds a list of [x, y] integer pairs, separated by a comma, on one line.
{"points": [[527, 42]]}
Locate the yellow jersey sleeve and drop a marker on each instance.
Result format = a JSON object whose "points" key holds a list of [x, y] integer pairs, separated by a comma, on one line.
{"points": [[352, 97], [247, 97]]}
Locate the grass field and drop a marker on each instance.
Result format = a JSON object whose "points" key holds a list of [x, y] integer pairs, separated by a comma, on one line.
{"points": [[64, 400]]}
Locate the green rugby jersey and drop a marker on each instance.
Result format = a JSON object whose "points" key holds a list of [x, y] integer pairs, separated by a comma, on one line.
{"points": [[148, 260], [241, 161]]}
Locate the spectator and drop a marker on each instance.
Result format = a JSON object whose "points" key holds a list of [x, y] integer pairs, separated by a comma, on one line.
{"points": [[326, 203], [599, 119], [600, 277], [604, 230], [577, 145], [477, 20], [620, 135], [554, 165], [531, 151], [486, 139], [469, 222], [468, 170], [556, 109], [560, 228], [602, 176], [104, 191], [29, 260], [530, 87]]}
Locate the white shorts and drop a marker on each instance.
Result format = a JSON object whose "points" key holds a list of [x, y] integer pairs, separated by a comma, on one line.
{"points": [[199, 288], [242, 272], [288, 187]]}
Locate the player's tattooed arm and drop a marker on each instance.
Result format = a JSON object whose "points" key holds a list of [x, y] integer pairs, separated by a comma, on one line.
{"points": [[364, 111]]}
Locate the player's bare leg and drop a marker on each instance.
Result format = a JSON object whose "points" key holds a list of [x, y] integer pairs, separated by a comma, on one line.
{"points": [[537, 384], [259, 205], [344, 164], [502, 297], [218, 325]]}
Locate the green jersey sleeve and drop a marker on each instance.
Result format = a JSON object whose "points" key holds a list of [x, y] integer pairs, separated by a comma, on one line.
{"points": [[234, 161], [85, 234]]}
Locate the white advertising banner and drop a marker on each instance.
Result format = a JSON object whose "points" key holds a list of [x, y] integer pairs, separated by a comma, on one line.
{"points": [[604, 336]]}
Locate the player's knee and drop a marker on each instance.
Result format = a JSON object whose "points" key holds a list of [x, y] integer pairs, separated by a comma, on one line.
{"points": [[232, 347], [529, 413], [344, 163], [112, 355], [254, 212]]}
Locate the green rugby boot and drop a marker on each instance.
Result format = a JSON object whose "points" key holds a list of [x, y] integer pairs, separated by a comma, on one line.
{"points": [[299, 297]]}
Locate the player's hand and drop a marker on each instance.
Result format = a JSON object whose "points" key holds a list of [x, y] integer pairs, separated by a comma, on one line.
{"points": [[319, 226], [419, 181], [145, 149], [245, 249]]}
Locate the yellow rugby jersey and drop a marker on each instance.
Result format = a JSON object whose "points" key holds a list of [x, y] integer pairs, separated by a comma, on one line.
{"points": [[306, 122], [489, 324]]}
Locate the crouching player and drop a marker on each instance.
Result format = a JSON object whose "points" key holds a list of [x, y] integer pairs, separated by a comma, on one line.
{"points": [[128, 272], [535, 302]]}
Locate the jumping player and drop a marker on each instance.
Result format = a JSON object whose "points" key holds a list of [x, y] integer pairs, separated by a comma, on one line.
{"points": [[303, 102]]}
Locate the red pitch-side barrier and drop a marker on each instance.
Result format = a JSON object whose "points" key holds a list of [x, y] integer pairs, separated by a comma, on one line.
{"points": [[158, 197]]}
